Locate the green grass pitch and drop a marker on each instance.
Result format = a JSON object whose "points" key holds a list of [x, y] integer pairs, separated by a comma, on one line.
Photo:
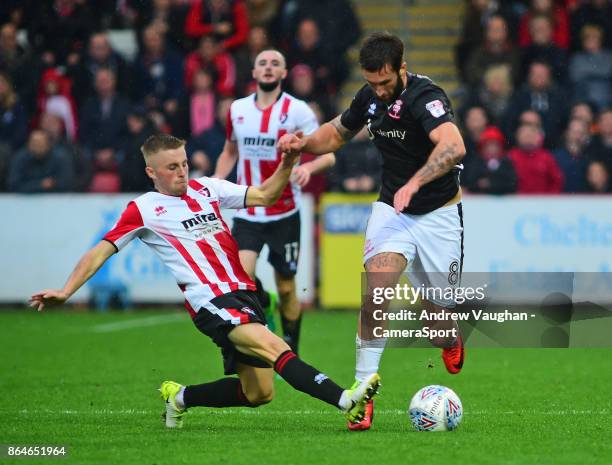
{"points": [[89, 381]]}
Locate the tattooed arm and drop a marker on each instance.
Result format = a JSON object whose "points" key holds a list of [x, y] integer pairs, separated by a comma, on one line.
{"points": [[448, 151], [328, 138]]}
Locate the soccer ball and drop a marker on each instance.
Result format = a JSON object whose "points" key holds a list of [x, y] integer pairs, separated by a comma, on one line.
{"points": [[435, 408]]}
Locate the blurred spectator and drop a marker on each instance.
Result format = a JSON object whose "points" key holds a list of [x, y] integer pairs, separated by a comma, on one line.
{"points": [[196, 112], [261, 12], [12, 55], [53, 125], [13, 120], [358, 166], [204, 149], [541, 95], [220, 64], [55, 96], [258, 41], [103, 116], [13, 125], [105, 172], [61, 27], [99, 54], [591, 69], [167, 16], [491, 172], [475, 120], [37, 168], [584, 112], [495, 50], [337, 23], [307, 49], [600, 148], [536, 169], [495, 93], [158, 70], [598, 178], [132, 167], [558, 17], [475, 20], [226, 20], [570, 157], [302, 86], [596, 12], [15, 60], [542, 48]]}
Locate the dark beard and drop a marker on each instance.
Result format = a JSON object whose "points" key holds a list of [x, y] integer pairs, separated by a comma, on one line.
{"points": [[399, 88], [268, 86]]}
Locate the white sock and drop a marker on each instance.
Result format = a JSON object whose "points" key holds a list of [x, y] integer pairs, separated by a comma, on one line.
{"points": [[345, 401], [368, 353], [179, 400]]}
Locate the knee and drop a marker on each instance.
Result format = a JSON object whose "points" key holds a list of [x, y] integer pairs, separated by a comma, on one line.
{"points": [[260, 396], [285, 288]]}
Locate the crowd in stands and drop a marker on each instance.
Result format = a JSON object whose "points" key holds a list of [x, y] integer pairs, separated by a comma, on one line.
{"points": [[537, 106], [76, 105]]}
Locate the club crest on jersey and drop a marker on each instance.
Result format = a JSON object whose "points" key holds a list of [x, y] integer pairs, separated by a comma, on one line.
{"points": [[283, 117], [395, 110], [204, 191], [372, 108], [160, 210], [240, 120]]}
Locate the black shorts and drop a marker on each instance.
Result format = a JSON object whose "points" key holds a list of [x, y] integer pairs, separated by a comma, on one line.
{"points": [[245, 308], [282, 238]]}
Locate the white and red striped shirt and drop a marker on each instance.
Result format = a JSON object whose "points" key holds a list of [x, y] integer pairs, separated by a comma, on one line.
{"points": [[191, 238], [256, 132]]}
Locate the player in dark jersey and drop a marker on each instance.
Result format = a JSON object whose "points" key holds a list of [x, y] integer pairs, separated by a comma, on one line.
{"points": [[417, 219]]}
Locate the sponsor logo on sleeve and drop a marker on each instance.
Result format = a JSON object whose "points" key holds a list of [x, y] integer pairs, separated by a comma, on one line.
{"points": [[436, 108]]}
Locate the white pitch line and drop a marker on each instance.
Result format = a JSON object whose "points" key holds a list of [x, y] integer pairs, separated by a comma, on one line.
{"points": [[265, 412], [138, 323]]}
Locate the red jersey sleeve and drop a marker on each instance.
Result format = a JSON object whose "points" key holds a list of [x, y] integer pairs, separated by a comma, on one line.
{"points": [[127, 228]]}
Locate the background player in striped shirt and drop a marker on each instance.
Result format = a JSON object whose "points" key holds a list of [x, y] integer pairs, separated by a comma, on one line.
{"points": [[182, 223], [255, 123]]}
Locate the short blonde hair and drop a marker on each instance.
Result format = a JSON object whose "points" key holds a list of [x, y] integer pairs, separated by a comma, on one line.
{"points": [[160, 142], [499, 73]]}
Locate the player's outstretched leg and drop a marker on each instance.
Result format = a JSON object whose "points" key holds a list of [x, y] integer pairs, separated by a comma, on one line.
{"points": [[256, 340], [254, 387]]}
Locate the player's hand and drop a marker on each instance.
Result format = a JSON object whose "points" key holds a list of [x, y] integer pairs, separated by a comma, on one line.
{"points": [[301, 175], [47, 297], [291, 143], [289, 159], [402, 197]]}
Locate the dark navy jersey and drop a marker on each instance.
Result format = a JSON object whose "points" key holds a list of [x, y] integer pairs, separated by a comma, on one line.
{"points": [[400, 131]]}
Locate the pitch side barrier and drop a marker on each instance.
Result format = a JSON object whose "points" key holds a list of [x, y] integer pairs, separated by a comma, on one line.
{"points": [[41, 254], [509, 234]]}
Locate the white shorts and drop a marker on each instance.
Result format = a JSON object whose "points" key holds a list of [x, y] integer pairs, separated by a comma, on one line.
{"points": [[432, 243]]}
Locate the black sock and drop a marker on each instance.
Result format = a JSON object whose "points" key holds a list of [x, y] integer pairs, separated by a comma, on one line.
{"points": [[262, 294], [305, 378], [225, 392], [291, 332]]}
